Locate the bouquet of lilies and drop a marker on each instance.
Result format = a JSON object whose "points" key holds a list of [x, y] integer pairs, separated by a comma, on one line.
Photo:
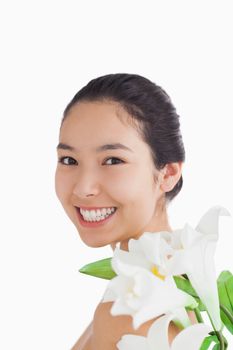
{"points": [[168, 274]]}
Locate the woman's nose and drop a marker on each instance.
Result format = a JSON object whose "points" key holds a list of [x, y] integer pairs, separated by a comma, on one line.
{"points": [[86, 185]]}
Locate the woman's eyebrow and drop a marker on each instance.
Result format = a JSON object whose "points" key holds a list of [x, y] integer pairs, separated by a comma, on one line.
{"points": [[101, 148]]}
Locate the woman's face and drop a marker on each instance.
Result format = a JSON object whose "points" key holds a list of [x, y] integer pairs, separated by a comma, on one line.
{"points": [[121, 178]]}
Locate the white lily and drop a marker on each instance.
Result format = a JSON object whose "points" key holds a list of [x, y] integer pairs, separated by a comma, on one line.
{"points": [[157, 338], [184, 251], [193, 254], [141, 292], [164, 254]]}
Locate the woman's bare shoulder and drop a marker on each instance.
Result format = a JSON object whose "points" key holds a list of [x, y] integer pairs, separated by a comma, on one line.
{"points": [[108, 329], [84, 342], [105, 331]]}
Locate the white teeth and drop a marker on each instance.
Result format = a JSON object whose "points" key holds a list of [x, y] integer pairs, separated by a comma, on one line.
{"points": [[87, 215], [104, 211], [96, 215], [92, 214]]}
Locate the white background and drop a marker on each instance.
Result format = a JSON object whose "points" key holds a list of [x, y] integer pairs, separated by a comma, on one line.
{"points": [[49, 50]]}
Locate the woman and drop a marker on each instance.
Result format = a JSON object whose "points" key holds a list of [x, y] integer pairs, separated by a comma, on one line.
{"points": [[120, 157]]}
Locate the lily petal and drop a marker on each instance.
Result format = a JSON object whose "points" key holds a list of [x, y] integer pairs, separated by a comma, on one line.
{"points": [[157, 338], [191, 337], [158, 333], [196, 259], [154, 248], [209, 221], [134, 257], [130, 341], [141, 294]]}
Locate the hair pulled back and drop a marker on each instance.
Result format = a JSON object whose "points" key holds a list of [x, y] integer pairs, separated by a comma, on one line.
{"points": [[148, 104]]}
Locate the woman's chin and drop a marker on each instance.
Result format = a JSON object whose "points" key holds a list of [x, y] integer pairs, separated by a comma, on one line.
{"points": [[94, 243]]}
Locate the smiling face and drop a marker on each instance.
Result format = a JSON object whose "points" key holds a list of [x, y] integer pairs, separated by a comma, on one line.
{"points": [[90, 178]]}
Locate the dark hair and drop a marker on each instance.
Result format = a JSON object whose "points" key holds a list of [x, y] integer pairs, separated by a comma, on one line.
{"points": [[147, 103]]}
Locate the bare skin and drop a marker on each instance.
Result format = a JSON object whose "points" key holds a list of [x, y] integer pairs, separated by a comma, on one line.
{"points": [[105, 331], [86, 178]]}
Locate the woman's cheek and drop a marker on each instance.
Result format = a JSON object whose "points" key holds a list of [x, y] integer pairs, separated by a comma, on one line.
{"points": [[61, 186], [57, 184], [122, 186]]}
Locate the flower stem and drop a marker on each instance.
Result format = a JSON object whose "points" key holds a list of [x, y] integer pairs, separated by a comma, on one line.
{"points": [[198, 315], [221, 340], [218, 334]]}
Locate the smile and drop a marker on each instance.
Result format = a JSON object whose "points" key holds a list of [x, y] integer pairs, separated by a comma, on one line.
{"points": [[98, 221]]}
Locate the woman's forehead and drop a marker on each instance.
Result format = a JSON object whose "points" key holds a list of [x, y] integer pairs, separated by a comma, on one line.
{"points": [[80, 136], [97, 119]]}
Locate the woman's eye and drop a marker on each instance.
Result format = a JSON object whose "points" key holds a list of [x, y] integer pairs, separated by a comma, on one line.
{"points": [[62, 160], [121, 161], [72, 161]]}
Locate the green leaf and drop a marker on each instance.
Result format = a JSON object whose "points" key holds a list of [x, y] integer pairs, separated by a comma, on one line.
{"points": [[185, 285], [217, 347], [207, 342], [229, 287], [101, 269], [225, 292]]}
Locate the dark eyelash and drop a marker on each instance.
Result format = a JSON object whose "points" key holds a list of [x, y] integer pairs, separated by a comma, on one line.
{"points": [[121, 161], [60, 160]]}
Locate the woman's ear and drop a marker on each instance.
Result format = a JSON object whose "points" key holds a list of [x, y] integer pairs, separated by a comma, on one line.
{"points": [[171, 174]]}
